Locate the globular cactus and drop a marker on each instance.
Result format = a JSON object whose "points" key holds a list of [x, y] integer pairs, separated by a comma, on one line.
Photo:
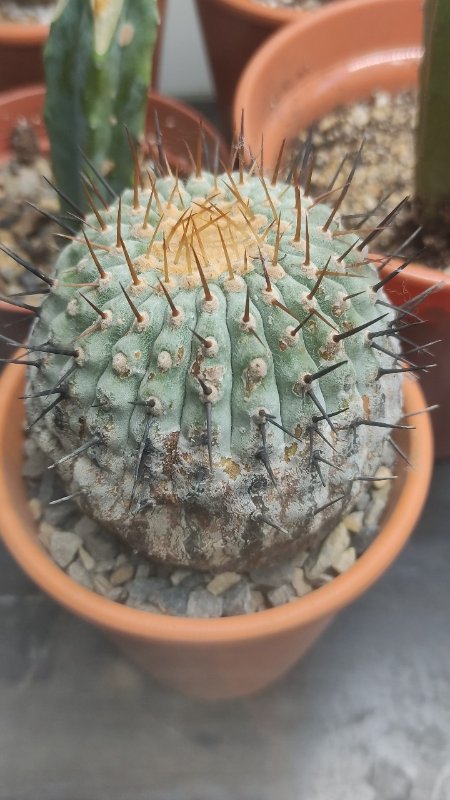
{"points": [[98, 61], [217, 373]]}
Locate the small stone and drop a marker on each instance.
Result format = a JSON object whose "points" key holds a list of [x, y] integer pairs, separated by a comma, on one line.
{"points": [[271, 577], [259, 604], [78, 573], [238, 600], [63, 547], [178, 576], [36, 462], [146, 589], [59, 514], [122, 574], [382, 472], [222, 582], [173, 600], [203, 604], [102, 585], [105, 566], [86, 559], [280, 595], [122, 558], [336, 542], [142, 571], [353, 522], [46, 532], [35, 506], [345, 560], [300, 583], [102, 546], [118, 594]]}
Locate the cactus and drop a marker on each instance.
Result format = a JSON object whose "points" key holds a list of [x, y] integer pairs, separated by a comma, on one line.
{"points": [[433, 140], [215, 369], [97, 64]]}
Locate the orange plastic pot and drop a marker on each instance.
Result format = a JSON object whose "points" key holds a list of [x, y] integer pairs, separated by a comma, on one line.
{"points": [[233, 31], [21, 46], [179, 126], [343, 53], [219, 658]]}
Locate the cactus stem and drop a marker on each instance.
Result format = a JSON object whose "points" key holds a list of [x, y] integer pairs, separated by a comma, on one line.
{"points": [[45, 393], [97, 245], [277, 241], [67, 497], [346, 252], [298, 207], [322, 372], [98, 310], [99, 267], [93, 207], [319, 457], [253, 332], [285, 309], [51, 218], [76, 452], [319, 406], [315, 429], [270, 418], [278, 163], [399, 450], [26, 265], [174, 309], [207, 391], [314, 464], [208, 409], [394, 370], [345, 188], [140, 317], [208, 295], [65, 198], [263, 456], [307, 318], [338, 337], [327, 505], [45, 411], [131, 267], [268, 521], [322, 273], [307, 260], [18, 304], [97, 174], [205, 342], [26, 294], [246, 317], [152, 240], [385, 222], [390, 353]]}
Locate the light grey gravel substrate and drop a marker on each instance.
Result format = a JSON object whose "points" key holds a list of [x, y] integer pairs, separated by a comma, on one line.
{"points": [[100, 562]]}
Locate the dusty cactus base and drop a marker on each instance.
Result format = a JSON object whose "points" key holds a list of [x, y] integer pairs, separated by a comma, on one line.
{"points": [[100, 562]]}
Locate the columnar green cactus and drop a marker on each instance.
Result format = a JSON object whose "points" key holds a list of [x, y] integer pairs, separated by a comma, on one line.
{"points": [[217, 371], [433, 138], [98, 65]]}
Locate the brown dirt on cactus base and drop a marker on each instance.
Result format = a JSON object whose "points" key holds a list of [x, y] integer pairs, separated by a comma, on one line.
{"points": [[387, 124]]}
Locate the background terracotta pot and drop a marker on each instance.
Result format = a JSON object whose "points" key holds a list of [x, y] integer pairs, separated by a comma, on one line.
{"points": [[21, 45], [210, 658], [233, 30], [179, 125], [343, 53]]}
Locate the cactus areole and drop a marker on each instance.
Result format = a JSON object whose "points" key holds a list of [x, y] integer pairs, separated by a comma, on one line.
{"points": [[218, 372]]}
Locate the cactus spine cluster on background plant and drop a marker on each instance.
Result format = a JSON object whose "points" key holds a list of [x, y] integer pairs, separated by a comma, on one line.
{"points": [[217, 372], [98, 61], [433, 138]]}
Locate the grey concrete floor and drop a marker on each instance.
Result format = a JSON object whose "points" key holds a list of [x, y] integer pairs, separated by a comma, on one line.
{"points": [[366, 716]]}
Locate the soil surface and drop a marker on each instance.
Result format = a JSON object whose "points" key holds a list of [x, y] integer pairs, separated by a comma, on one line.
{"points": [[385, 175], [27, 11], [294, 5], [24, 229]]}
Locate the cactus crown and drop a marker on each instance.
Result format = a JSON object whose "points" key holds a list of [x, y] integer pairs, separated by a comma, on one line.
{"points": [[217, 369]]}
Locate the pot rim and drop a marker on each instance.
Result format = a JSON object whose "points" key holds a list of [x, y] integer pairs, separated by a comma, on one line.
{"points": [[15, 528], [15, 34], [258, 12], [35, 90]]}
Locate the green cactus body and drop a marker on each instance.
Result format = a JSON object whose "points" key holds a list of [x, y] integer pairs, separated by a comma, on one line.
{"points": [[98, 64], [193, 424]]}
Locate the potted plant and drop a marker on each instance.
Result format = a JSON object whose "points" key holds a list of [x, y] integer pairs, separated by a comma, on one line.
{"points": [[213, 393], [304, 79], [22, 38]]}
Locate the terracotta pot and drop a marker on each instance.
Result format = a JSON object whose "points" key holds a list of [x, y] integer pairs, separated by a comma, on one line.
{"points": [[21, 45], [210, 658], [179, 126], [338, 55], [233, 31]]}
